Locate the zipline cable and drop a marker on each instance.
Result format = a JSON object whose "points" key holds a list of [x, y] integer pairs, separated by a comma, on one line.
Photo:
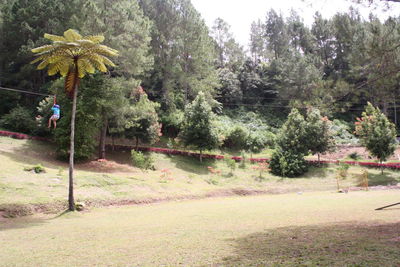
{"points": [[23, 91]]}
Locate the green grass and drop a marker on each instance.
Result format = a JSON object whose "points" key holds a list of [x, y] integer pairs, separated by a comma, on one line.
{"points": [[118, 181], [309, 229]]}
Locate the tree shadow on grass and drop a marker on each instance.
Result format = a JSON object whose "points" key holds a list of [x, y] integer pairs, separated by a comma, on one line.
{"points": [[27, 221], [347, 244], [34, 152], [23, 222], [383, 179], [192, 164], [121, 157], [316, 172]]}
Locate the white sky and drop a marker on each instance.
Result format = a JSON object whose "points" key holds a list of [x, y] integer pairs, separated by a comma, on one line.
{"points": [[239, 14]]}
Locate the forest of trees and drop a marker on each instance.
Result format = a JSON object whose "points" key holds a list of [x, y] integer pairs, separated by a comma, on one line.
{"points": [[167, 55]]}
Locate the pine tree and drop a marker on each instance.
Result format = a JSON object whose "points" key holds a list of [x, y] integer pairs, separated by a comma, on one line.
{"points": [[183, 52], [257, 44], [125, 28], [198, 130], [276, 34]]}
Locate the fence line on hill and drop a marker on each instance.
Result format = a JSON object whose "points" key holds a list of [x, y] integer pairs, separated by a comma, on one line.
{"points": [[168, 151]]}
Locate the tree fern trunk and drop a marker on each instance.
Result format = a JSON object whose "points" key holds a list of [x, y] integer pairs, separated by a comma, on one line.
{"points": [[103, 134], [71, 202]]}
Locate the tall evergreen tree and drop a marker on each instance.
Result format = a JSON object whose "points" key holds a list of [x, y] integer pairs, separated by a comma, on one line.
{"points": [[24, 25], [257, 43], [276, 34], [324, 44], [125, 28], [230, 53], [299, 35], [183, 52]]}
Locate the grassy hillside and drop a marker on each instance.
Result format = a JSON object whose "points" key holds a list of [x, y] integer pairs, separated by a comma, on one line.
{"points": [[117, 181]]}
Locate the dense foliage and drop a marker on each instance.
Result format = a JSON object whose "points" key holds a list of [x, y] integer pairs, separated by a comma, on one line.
{"points": [[19, 120]]}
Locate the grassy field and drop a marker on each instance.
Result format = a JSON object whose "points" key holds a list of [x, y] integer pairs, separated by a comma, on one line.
{"points": [[117, 181], [309, 229]]}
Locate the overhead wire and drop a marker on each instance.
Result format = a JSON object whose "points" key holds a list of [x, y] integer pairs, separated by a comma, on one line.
{"points": [[22, 91]]}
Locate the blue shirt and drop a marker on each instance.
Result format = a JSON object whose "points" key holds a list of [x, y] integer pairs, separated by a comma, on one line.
{"points": [[56, 111]]}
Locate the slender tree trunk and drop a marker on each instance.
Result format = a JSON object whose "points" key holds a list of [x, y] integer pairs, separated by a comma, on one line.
{"points": [[71, 202], [137, 143], [385, 108], [319, 161], [113, 142], [337, 184], [201, 156], [103, 134]]}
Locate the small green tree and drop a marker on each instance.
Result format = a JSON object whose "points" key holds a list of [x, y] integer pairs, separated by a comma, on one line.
{"points": [[142, 121], [341, 174], [376, 133], [231, 163], [291, 147], [319, 137], [293, 134], [198, 125]]}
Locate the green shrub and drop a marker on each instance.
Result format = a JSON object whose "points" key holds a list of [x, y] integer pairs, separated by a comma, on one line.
{"points": [[354, 156], [80, 206], [259, 140], [37, 168], [212, 181], [288, 164], [20, 120], [246, 131], [142, 161], [237, 138]]}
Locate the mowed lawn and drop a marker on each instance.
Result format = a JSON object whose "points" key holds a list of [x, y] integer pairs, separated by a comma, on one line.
{"points": [[309, 229]]}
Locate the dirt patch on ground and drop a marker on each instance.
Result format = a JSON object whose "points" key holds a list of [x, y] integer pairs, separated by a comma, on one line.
{"points": [[106, 166], [344, 151]]}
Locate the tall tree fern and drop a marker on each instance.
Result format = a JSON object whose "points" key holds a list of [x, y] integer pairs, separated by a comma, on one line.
{"points": [[73, 56]]}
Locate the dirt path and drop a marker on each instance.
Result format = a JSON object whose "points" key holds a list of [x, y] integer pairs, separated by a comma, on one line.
{"points": [[344, 151]]}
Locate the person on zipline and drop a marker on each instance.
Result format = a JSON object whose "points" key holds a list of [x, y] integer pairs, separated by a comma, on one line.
{"points": [[55, 116]]}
